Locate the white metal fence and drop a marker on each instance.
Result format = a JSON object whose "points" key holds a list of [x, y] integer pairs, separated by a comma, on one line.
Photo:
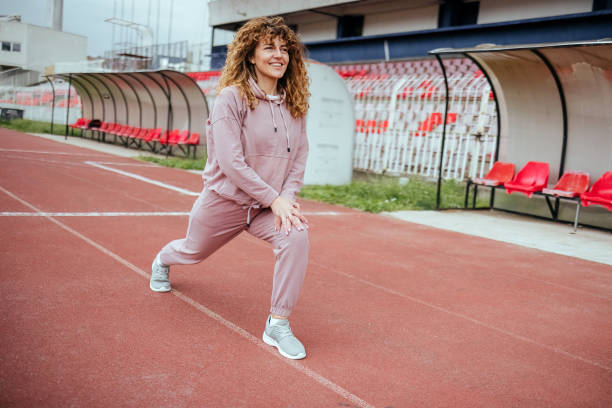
{"points": [[399, 109]]}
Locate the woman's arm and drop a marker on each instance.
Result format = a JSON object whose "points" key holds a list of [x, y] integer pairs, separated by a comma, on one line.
{"points": [[295, 178], [226, 127]]}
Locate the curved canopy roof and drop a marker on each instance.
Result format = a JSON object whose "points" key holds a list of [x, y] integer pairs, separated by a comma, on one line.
{"points": [[554, 103], [147, 99]]}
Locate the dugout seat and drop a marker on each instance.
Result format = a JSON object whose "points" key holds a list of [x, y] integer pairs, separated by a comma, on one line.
{"points": [[600, 193], [500, 173], [530, 179], [570, 186]]}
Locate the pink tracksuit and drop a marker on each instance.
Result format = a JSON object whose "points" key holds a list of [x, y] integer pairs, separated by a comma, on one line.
{"points": [[251, 161]]}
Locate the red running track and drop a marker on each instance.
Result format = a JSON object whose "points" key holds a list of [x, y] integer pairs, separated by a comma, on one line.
{"points": [[393, 314]]}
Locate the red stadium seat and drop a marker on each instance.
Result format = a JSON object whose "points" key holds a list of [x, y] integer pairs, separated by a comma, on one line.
{"points": [[499, 174], [571, 184], [194, 139], [530, 179], [600, 193]]}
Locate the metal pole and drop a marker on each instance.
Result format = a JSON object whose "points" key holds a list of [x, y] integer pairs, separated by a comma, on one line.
{"points": [[557, 80], [170, 21], [52, 103], [157, 28], [439, 187], [68, 106]]}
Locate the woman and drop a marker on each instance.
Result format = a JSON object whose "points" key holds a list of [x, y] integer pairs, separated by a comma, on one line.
{"points": [[257, 149]]}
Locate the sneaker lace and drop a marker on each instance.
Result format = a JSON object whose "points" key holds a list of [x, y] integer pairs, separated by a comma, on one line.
{"points": [[160, 273], [282, 331]]}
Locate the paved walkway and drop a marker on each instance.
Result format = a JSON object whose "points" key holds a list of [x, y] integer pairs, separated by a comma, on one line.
{"points": [[587, 243]]}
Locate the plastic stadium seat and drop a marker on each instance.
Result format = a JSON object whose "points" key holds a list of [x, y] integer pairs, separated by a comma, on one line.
{"points": [[530, 179], [194, 139], [571, 184], [600, 192], [183, 137], [79, 122], [499, 174]]}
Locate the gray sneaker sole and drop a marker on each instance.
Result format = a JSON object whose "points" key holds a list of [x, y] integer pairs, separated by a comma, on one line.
{"points": [[271, 342], [160, 289]]}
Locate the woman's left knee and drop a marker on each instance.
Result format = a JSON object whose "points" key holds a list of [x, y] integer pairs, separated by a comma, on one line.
{"points": [[298, 238]]}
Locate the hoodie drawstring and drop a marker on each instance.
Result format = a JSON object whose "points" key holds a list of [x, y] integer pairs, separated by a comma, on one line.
{"points": [[284, 123], [250, 207], [286, 130]]}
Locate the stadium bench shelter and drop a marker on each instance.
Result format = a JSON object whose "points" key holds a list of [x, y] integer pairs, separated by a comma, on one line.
{"points": [[165, 99], [554, 102]]}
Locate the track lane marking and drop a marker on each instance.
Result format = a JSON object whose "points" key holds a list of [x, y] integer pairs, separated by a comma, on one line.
{"points": [[142, 178], [126, 214], [320, 379], [441, 309]]}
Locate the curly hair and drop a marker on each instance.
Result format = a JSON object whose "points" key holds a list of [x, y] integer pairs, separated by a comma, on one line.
{"points": [[238, 69]]}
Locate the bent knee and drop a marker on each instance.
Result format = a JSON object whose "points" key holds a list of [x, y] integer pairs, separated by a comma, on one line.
{"points": [[297, 239]]}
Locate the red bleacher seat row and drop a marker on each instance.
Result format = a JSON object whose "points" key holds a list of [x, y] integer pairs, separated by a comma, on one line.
{"points": [[137, 135], [533, 178]]}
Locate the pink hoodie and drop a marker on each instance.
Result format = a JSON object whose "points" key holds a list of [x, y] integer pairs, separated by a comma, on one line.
{"points": [[254, 155]]}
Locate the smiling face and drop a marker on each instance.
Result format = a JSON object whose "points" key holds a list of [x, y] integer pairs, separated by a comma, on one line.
{"points": [[270, 60]]}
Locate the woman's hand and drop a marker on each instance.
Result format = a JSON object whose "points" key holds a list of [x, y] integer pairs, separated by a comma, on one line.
{"points": [[287, 214]]}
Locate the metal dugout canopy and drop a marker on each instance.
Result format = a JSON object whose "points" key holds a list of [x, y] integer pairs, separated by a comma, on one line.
{"points": [[147, 99], [554, 105]]}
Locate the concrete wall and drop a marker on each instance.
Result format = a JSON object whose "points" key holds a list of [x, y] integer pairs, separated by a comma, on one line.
{"points": [[231, 11], [45, 46], [493, 11], [40, 46], [13, 32], [318, 31], [397, 21]]}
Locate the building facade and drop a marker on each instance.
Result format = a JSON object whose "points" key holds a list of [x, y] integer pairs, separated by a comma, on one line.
{"points": [[372, 30]]}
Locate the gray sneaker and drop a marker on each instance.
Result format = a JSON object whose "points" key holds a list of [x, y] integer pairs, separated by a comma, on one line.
{"points": [[160, 282], [280, 336]]}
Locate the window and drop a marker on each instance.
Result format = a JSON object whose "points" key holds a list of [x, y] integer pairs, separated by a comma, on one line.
{"points": [[457, 13], [16, 47], [350, 26], [602, 5], [6, 46]]}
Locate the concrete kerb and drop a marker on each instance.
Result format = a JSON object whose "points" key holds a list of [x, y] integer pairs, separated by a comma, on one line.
{"points": [[588, 243], [109, 148]]}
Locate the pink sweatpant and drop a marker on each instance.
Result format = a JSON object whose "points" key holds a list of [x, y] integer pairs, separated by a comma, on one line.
{"points": [[214, 221]]}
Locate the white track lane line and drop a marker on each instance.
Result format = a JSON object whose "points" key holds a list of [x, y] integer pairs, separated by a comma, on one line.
{"points": [[92, 214], [325, 382], [123, 214], [142, 178], [52, 153]]}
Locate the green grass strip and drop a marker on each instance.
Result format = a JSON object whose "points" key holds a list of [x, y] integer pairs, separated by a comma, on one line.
{"points": [[33, 126], [375, 194], [176, 162]]}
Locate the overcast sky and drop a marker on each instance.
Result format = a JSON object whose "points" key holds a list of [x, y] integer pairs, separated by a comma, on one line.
{"points": [[86, 17]]}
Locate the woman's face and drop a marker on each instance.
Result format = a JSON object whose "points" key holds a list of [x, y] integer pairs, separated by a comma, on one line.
{"points": [[270, 59]]}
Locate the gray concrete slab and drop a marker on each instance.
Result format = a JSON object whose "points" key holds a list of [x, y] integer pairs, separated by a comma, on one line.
{"points": [[109, 148], [587, 243]]}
